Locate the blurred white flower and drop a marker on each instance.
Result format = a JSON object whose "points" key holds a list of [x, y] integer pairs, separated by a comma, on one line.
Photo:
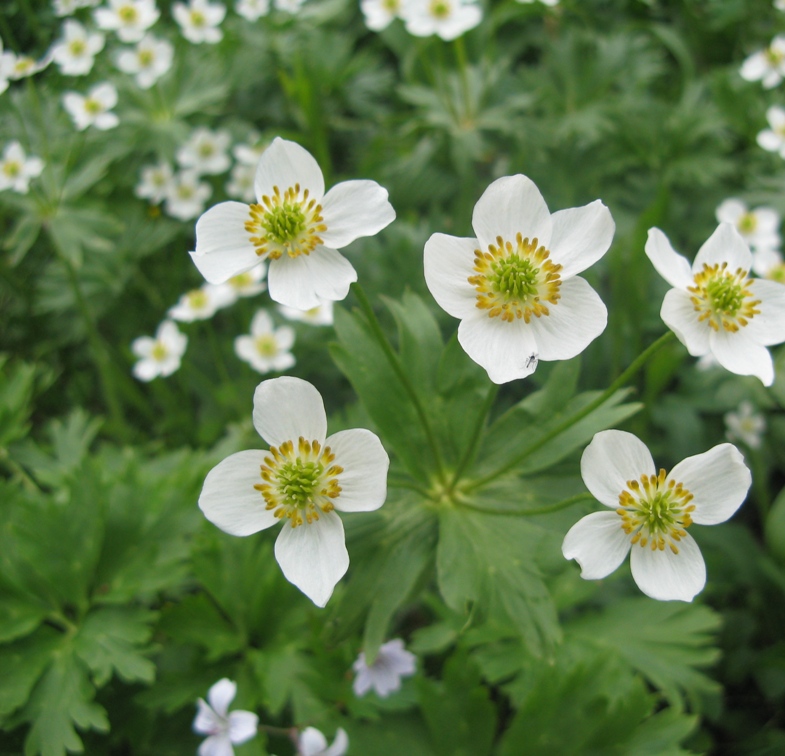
{"points": [[551, 3], [250, 152], [148, 61], [200, 304], [206, 151], [75, 52], [199, 20], [746, 425], [300, 482], [17, 67], [449, 19], [766, 66], [186, 195], [379, 14], [223, 728], [768, 263], [155, 182], [251, 10], [241, 182], [714, 305], [653, 510], [16, 169], [160, 355], [758, 227], [267, 349], [779, 5], [773, 139], [69, 7], [320, 315], [392, 663], [313, 743], [130, 19], [93, 109], [247, 284], [289, 6]]}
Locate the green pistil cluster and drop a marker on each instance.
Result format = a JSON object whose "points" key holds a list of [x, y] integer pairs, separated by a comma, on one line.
{"points": [[747, 223], [77, 47], [726, 295], [514, 277], [127, 14], [284, 223], [197, 299], [297, 481], [92, 106], [12, 168], [266, 345], [159, 351], [440, 9]]}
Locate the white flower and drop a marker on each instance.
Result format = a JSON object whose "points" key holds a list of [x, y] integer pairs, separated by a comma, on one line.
{"points": [[379, 14], [392, 663], [515, 287], [199, 20], [76, 51], [93, 109], [301, 481], [206, 151], [148, 61], [69, 7], [779, 5], [551, 3], [320, 315], [241, 182], [289, 6], [250, 153], [223, 727], [447, 18], [6, 67], [160, 355], [16, 169], [155, 182], [252, 10], [313, 743], [766, 66], [21, 66], [186, 195], [759, 227], [745, 425], [200, 304], [295, 225], [715, 307], [768, 263], [247, 284], [773, 139], [266, 350], [652, 511], [129, 18]]}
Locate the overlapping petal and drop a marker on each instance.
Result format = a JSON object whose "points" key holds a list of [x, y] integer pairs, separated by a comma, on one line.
{"points": [[223, 246], [302, 282], [674, 268], [284, 164], [286, 408], [741, 355], [678, 313], [580, 237], [666, 576], [598, 543], [365, 463], [353, 209], [725, 245], [449, 262]]}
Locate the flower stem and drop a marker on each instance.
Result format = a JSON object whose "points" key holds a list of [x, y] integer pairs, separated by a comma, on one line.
{"points": [[474, 444], [531, 512], [633, 368]]}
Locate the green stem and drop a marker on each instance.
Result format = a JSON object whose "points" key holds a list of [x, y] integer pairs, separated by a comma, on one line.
{"points": [[395, 363], [531, 512], [463, 66], [634, 367], [474, 444], [218, 356]]}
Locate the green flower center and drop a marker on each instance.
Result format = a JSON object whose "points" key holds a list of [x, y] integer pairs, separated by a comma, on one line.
{"points": [[777, 273], [440, 9], [159, 352], [77, 47], [146, 58], [197, 299], [92, 106], [723, 297], [198, 18], [128, 14], [12, 168], [284, 223], [266, 345], [391, 6], [774, 57], [747, 223]]}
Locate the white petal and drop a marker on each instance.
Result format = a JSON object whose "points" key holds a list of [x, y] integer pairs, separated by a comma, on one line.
{"points": [[768, 327], [581, 236], [666, 576], [448, 262], [286, 408], [509, 206], [738, 353], [768, 140], [242, 726], [302, 282], [363, 682], [504, 349], [365, 463], [611, 459], [666, 261], [216, 745], [284, 337], [223, 246], [229, 499], [261, 324], [574, 321], [143, 346], [730, 211], [207, 720], [598, 543], [146, 370], [340, 744], [679, 314], [311, 742], [353, 209], [284, 164], [725, 245], [313, 556], [221, 695], [719, 481]]}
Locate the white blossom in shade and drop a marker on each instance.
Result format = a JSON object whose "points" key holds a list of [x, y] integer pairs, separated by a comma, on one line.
{"points": [[186, 195], [379, 14], [321, 315], [294, 225], [515, 287], [716, 307], [148, 61], [312, 742], [223, 728], [758, 227], [768, 263], [160, 355], [304, 478], [773, 139], [266, 349], [449, 19], [75, 52], [16, 169], [69, 7], [155, 182], [392, 663], [201, 304], [252, 10], [766, 66], [745, 425], [199, 20], [289, 6], [94, 109], [206, 151], [651, 512], [130, 19], [247, 284], [17, 67], [241, 182]]}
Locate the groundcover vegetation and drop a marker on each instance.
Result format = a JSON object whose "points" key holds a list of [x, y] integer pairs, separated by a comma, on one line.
{"points": [[489, 292]]}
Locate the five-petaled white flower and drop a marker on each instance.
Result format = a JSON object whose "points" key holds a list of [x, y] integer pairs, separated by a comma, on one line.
{"points": [[758, 227], [160, 355], [75, 52], [766, 66], [267, 348], [148, 61], [745, 425], [773, 139], [201, 304], [206, 151], [16, 169], [199, 20], [94, 109], [449, 19], [223, 727], [313, 743], [652, 511], [17, 67], [515, 286], [392, 663], [379, 14], [155, 182], [302, 480], [130, 19], [295, 225], [320, 315], [186, 195], [716, 307]]}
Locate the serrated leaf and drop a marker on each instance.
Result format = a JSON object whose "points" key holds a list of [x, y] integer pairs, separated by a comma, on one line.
{"points": [[20, 615]]}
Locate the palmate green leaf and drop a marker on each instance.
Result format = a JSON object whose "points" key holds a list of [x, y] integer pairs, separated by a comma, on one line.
{"points": [[17, 381], [21, 239], [19, 614]]}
